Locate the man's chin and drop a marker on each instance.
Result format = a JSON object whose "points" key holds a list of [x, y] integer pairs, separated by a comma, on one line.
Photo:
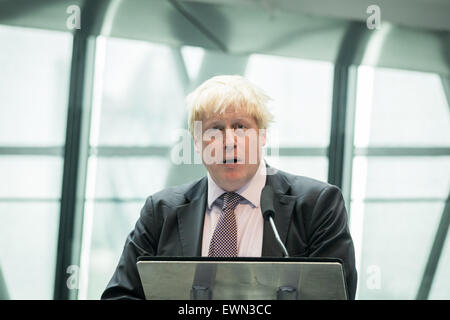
{"points": [[232, 181]]}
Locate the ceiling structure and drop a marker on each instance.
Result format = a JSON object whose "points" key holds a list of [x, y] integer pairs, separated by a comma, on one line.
{"points": [[414, 34]]}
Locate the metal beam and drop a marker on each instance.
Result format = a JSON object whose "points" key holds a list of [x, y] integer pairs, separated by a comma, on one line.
{"points": [[70, 173], [435, 253], [402, 151], [32, 151], [353, 40], [189, 15], [441, 232], [76, 144]]}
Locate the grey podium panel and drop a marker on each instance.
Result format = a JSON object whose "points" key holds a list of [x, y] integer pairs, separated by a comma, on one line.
{"points": [[242, 280]]}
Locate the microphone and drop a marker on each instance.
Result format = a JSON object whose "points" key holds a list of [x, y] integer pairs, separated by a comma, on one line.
{"points": [[268, 213]]}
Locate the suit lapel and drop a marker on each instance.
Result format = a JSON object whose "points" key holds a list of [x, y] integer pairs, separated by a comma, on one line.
{"points": [[191, 218], [283, 205]]}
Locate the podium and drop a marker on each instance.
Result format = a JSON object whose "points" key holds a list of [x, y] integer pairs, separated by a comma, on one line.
{"points": [[205, 278]]}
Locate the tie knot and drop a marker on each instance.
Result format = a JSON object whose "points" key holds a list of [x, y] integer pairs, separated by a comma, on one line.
{"points": [[230, 200]]}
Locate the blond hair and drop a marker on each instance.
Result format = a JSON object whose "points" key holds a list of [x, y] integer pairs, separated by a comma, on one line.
{"points": [[220, 93]]}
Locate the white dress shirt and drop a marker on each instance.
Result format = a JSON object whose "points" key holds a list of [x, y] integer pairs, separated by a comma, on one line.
{"points": [[248, 215]]}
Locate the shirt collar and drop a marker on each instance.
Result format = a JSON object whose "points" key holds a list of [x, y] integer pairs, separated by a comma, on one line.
{"points": [[251, 191]]}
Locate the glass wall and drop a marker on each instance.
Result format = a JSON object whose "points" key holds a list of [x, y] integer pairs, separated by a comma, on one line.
{"points": [[138, 104], [400, 162], [400, 181], [34, 82], [301, 91]]}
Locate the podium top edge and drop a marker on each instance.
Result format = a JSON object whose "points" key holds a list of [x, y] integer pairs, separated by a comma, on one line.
{"points": [[239, 259]]}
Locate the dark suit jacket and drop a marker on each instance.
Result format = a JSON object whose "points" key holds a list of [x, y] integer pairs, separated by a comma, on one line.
{"points": [[310, 217]]}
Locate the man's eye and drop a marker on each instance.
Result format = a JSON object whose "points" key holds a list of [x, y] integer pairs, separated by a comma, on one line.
{"points": [[240, 126]]}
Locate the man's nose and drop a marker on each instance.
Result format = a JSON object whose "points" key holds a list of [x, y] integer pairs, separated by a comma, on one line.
{"points": [[230, 139]]}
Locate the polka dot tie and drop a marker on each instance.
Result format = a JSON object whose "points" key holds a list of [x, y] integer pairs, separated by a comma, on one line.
{"points": [[224, 239]]}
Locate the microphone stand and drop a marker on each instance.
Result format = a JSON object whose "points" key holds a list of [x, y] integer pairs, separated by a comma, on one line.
{"points": [[277, 237]]}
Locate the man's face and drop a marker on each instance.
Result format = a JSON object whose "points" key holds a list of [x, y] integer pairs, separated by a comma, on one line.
{"points": [[231, 147]]}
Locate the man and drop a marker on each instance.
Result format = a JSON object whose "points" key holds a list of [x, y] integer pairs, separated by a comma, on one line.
{"points": [[220, 215]]}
